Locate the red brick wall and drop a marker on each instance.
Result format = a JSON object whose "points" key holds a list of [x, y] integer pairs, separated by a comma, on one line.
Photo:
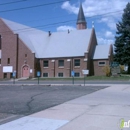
{"points": [[98, 70], [91, 50], [11, 43], [66, 70], [9, 47], [30, 59], [81, 26]]}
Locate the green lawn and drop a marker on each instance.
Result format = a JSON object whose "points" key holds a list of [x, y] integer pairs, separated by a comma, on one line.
{"points": [[122, 77]]}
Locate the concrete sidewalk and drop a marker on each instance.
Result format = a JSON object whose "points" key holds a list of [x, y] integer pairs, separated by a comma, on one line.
{"points": [[101, 110]]}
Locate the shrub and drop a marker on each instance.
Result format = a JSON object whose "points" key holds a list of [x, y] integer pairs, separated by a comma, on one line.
{"points": [[122, 68], [107, 70]]}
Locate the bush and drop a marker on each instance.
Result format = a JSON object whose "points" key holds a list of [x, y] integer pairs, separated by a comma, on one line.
{"points": [[122, 68], [107, 70]]}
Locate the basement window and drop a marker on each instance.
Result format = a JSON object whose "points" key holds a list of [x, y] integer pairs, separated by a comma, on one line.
{"points": [[45, 74], [77, 74], [5, 75], [101, 63], [60, 74]]}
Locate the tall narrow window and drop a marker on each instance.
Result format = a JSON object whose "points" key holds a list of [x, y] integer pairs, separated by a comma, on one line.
{"points": [[45, 63], [77, 62], [8, 61], [0, 42], [0, 61]]}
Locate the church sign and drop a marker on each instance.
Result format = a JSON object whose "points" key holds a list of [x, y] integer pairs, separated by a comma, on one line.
{"points": [[115, 68], [114, 64]]}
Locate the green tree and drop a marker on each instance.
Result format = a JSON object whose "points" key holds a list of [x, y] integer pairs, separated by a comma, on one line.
{"points": [[122, 39]]}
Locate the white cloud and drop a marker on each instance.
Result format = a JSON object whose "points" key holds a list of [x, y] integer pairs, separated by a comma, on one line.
{"points": [[71, 8], [65, 28], [102, 40], [109, 34], [105, 37], [96, 7], [110, 21]]}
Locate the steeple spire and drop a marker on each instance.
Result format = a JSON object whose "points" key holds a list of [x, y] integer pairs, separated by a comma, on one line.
{"points": [[81, 22]]}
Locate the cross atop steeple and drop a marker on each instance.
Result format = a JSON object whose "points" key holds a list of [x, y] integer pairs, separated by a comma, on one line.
{"points": [[81, 21]]}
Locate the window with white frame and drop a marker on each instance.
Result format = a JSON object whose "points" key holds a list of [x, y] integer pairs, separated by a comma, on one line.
{"points": [[61, 63], [45, 63], [101, 63], [77, 62]]}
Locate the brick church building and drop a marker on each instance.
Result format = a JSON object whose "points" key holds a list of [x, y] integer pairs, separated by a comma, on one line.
{"points": [[27, 50]]}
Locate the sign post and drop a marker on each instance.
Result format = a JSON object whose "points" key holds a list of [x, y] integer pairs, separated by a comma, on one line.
{"points": [[72, 74], [85, 72], [14, 75], [84, 79], [38, 75]]}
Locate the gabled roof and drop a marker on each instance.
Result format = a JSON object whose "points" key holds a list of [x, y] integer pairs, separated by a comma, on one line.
{"points": [[59, 44], [101, 52], [81, 17]]}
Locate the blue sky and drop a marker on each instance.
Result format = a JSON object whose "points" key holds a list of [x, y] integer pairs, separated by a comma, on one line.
{"points": [[61, 15]]}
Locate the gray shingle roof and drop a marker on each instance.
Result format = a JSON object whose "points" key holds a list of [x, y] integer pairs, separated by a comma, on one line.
{"points": [[59, 44], [101, 52]]}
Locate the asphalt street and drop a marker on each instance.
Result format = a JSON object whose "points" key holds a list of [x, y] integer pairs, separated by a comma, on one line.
{"points": [[20, 100]]}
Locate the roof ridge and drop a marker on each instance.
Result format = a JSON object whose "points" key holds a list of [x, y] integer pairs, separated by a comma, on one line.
{"points": [[25, 27]]}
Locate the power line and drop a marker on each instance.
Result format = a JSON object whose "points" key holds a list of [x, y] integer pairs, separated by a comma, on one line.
{"points": [[13, 2], [106, 13], [35, 6], [52, 24], [65, 15]]}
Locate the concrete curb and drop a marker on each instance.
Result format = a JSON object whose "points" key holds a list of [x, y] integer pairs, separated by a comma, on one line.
{"points": [[60, 84], [41, 84]]}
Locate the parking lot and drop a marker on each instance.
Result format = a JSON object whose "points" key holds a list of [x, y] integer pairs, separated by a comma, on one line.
{"points": [[19, 100]]}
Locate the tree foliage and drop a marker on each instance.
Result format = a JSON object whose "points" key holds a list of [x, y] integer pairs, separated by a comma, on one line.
{"points": [[122, 38]]}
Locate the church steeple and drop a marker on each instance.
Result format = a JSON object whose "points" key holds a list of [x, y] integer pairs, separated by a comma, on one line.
{"points": [[81, 22]]}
